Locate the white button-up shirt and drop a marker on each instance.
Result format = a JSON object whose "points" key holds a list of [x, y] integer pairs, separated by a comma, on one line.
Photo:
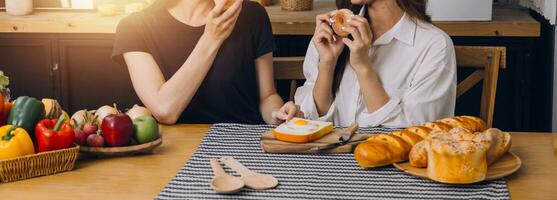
{"points": [[416, 65]]}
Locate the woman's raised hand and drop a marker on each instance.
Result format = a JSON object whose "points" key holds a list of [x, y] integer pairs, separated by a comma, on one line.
{"points": [[361, 43], [328, 45], [221, 21]]}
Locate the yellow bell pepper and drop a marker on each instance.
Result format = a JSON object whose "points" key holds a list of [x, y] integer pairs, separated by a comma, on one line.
{"points": [[14, 143]]}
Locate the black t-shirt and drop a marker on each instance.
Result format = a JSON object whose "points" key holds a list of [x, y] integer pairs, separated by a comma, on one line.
{"points": [[229, 93]]}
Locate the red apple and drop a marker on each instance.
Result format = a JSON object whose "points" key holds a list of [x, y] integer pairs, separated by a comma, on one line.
{"points": [[117, 129]]}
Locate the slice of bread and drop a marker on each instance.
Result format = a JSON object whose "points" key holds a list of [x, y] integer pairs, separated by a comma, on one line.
{"points": [[300, 130]]}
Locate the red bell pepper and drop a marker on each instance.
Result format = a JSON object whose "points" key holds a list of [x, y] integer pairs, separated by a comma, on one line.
{"points": [[54, 134], [5, 113]]}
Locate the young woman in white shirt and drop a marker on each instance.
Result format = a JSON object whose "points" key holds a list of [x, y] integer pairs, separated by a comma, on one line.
{"points": [[395, 70]]}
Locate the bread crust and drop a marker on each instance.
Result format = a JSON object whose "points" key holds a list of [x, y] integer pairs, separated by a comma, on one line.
{"points": [[409, 144], [418, 155], [409, 137]]}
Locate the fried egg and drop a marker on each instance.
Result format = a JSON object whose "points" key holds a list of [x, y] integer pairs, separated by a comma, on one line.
{"points": [[298, 126]]}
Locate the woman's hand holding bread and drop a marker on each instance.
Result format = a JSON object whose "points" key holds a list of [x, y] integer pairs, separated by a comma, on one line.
{"points": [[221, 20], [360, 45], [328, 45]]}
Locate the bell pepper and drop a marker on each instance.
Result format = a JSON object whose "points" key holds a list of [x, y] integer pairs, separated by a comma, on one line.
{"points": [[25, 113], [54, 134], [14, 142], [4, 115]]}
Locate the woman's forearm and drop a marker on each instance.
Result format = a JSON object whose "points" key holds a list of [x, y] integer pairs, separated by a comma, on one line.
{"points": [[268, 105], [173, 96], [322, 91], [373, 92]]}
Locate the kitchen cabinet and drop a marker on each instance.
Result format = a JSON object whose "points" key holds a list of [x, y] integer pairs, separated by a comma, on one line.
{"points": [[77, 70], [90, 79], [28, 63]]}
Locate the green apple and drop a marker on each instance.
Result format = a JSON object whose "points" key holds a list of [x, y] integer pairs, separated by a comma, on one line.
{"points": [[145, 129]]}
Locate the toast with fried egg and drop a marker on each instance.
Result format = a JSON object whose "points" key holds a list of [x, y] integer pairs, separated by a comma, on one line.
{"points": [[299, 130]]}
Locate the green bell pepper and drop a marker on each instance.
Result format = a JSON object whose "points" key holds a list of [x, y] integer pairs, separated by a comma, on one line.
{"points": [[25, 113]]}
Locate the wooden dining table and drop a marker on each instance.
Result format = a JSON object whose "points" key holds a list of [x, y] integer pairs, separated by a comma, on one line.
{"points": [[144, 176]]}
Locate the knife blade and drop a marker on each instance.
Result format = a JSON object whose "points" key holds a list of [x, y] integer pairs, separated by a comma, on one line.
{"points": [[333, 145]]}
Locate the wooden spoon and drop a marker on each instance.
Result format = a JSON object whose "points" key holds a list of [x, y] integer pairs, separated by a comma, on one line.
{"points": [[223, 182], [252, 179]]}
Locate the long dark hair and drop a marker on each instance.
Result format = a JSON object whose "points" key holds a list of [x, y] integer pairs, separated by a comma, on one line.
{"points": [[416, 9]]}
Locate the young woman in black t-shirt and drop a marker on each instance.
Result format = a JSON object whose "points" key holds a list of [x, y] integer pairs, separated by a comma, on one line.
{"points": [[194, 61]]}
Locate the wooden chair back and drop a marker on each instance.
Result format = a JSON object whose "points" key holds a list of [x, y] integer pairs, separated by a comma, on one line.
{"points": [[485, 60], [289, 68]]}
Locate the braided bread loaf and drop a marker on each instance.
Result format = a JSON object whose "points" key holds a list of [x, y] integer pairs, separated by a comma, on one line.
{"points": [[385, 149], [500, 144], [457, 156]]}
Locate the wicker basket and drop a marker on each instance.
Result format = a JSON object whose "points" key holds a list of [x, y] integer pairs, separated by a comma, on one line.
{"points": [[40, 164], [296, 5]]}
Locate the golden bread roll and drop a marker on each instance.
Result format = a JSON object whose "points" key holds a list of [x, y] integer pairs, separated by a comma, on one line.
{"points": [[472, 125], [457, 157], [456, 122], [339, 21], [409, 137], [395, 144], [370, 154], [500, 144], [418, 155], [439, 126], [381, 149], [422, 131], [480, 123]]}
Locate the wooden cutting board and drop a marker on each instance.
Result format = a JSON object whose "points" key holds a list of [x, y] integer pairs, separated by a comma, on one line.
{"points": [[271, 145]]}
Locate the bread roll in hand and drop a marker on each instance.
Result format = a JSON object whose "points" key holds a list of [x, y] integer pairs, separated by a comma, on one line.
{"points": [[339, 21]]}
